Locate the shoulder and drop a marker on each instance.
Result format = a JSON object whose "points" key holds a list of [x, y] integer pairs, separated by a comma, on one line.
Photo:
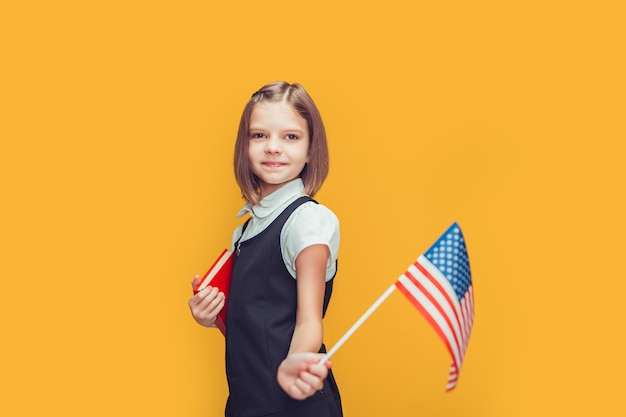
{"points": [[311, 213], [237, 233]]}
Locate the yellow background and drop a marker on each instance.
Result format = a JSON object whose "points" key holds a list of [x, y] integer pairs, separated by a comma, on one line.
{"points": [[117, 125]]}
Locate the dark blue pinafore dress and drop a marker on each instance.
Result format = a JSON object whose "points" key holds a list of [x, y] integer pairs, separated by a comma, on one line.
{"points": [[260, 323]]}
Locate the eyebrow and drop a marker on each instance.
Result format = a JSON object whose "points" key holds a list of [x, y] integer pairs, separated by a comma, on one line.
{"points": [[294, 130]]}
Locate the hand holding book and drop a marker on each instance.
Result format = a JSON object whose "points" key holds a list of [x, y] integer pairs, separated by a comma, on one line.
{"points": [[218, 276]]}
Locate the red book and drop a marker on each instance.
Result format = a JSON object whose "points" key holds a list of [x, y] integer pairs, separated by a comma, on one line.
{"points": [[218, 276]]}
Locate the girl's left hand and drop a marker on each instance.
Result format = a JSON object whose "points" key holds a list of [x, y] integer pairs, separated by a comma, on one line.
{"points": [[300, 376]]}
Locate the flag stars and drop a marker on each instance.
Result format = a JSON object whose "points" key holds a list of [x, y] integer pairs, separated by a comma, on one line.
{"points": [[449, 256]]}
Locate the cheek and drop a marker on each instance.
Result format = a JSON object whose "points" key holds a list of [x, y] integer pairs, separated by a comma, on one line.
{"points": [[303, 155], [254, 149]]}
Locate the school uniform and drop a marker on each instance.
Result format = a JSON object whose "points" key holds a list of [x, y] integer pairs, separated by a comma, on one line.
{"points": [[262, 311]]}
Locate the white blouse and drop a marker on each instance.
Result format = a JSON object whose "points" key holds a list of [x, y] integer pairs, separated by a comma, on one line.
{"points": [[310, 224]]}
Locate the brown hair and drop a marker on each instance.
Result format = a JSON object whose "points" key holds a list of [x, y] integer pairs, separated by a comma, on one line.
{"points": [[316, 169]]}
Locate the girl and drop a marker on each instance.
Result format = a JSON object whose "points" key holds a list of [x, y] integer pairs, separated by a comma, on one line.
{"points": [[286, 259]]}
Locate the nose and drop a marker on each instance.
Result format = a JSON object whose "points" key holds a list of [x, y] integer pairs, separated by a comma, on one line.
{"points": [[272, 145]]}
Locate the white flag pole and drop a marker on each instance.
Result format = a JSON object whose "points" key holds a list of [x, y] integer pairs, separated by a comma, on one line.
{"points": [[358, 323]]}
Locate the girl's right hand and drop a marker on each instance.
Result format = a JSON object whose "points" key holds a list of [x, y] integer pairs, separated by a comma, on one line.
{"points": [[206, 304], [300, 375]]}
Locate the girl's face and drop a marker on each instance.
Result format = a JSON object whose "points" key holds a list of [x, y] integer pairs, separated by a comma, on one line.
{"points": [[279, 144]]}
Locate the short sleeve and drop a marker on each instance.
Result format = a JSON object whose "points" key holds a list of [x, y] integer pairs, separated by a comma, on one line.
{"points": [[311, 224]]}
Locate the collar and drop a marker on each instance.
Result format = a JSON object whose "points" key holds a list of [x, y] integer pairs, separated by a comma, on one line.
{"points": [[274, 201]]}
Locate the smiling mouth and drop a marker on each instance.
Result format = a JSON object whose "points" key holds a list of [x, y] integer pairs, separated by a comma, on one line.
{"points": [[273, 164]]}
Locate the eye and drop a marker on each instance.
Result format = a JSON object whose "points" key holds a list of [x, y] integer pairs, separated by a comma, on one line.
{"points": [[257, 135], [291, 136]]}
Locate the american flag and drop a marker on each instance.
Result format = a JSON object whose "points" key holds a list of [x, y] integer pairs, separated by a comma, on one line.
{"points": [[439, 285]]}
